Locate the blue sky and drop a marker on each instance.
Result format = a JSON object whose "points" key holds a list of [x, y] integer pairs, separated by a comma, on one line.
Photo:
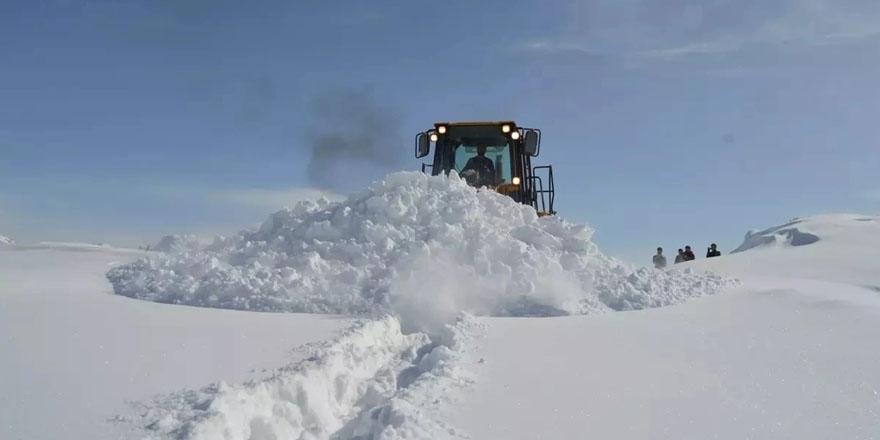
{"points": [[668, 122]]}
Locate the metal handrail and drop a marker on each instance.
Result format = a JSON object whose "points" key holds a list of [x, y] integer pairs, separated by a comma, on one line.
{"points": [[536, 182], [551, 187]]}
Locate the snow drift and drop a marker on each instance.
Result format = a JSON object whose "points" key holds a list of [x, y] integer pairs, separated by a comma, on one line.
{"points": [[802, 231], [424, 245], [373, 381], [6, 241]]}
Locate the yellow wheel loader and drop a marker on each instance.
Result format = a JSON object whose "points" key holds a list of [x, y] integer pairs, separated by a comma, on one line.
{"points": [[495, 155]]}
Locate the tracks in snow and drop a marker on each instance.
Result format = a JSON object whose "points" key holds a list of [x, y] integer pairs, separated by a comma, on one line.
{"points": [[372, 381]]}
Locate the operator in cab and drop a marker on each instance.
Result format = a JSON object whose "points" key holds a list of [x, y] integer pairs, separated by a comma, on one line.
{"points": [[482, 166]]}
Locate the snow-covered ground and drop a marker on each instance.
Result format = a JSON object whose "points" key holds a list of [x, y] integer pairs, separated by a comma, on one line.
{"points": [[785, 355], [792, 360], [846, 249], [787, 351], [72, 354]]}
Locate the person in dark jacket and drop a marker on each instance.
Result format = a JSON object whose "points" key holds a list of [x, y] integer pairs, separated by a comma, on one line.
{"points": [[713, 251], [483, 166], [659, 260], [689, 254], [680, 257]]}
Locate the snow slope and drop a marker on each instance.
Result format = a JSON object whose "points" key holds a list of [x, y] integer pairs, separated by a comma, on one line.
{"points": [[846, 250], [786, 354], [809, 230], [375, 254], [789, 354], [773, 358], [791, 360], [72, 354], [478, 251]]}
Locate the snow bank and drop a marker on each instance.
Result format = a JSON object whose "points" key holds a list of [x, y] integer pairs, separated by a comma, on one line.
{"points": [[6, 241], [802, 231], [426, 247], [371, 382]]}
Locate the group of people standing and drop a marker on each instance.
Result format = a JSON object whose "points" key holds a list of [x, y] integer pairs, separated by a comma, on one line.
{"points": [[685, 254]]}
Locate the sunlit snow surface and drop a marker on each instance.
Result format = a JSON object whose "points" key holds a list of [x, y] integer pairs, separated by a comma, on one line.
{"points": [[413, 252], [434, 269]]}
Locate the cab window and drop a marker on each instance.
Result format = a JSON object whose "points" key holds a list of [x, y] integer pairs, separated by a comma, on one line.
{"points": [[483, 165]]}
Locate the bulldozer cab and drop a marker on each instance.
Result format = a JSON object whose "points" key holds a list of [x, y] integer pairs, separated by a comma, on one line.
{"points": [[495, 155]]}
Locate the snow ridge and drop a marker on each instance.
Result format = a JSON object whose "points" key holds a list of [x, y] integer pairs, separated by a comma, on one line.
{"points": [[371, 382], [787, 234], [802, 231], [379, 249]]}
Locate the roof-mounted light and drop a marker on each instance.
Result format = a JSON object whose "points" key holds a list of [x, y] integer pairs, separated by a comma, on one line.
{"points": [[514, 135], [433, 137], [505, 128], [441, 129]]}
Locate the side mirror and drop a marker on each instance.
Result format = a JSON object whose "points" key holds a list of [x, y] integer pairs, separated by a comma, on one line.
{"points": [[423, 145], [532, 142]]}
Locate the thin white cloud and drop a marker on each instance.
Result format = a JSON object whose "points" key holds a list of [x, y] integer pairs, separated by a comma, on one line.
{"points": [[262, 199], [703, 48], [270, 199], [800, 24], [793, 31], [547, 46]]}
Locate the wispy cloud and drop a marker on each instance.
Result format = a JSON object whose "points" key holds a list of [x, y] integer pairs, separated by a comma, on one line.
{"points": [[792, 31], [639, 30], [270, 199], [549, 46], [79, 212], [703, 48], [263, 200]]}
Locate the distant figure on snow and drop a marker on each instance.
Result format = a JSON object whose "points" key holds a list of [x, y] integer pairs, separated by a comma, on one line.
{"points": [[689, 254], [680, 257], [659, 259], [713, 251]]}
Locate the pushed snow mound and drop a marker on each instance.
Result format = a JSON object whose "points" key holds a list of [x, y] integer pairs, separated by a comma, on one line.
{"points": [[417, 243], [809, 230]]}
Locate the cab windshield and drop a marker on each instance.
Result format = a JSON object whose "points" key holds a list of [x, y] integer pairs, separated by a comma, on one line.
{"points": [[483, 165], [481, 154]]}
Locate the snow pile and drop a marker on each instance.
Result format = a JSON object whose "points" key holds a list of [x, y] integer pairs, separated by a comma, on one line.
{"points": [[177, 243], [371, 382], [647, 288], [421, 244], [802, 231], [6, 241]]}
